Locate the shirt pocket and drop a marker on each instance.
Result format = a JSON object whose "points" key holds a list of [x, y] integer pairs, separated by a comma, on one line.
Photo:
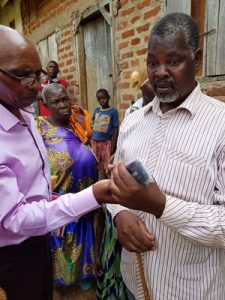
{"points": [[188, 159]]}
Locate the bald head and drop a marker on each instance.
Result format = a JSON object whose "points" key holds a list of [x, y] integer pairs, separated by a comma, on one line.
{"points": [[18, 59], [11, 41]]}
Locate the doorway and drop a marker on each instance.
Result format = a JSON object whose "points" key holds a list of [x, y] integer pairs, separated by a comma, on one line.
{"points": [[98, 59]]}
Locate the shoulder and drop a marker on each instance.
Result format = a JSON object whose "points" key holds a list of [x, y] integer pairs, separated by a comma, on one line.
{"points": [[63, 82], [42, 124], [215, 106], [113, 110], [133, 120], [138, 103], [41, 120], [97, 109]]}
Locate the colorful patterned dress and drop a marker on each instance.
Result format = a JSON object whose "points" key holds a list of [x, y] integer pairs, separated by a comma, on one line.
{"points": [[73, 168], [110, 285]]}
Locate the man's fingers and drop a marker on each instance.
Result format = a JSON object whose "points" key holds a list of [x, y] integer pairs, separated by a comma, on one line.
{"points": [[110, 167], [135, 245], [114, 189], [145, 232], [125, 177]]}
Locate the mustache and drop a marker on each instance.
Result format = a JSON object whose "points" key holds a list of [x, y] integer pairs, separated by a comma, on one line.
{"points": [[157, 83], [162, 82]]}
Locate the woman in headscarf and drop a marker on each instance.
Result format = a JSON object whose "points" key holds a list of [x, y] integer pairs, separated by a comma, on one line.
{"points": [[73, 168]]}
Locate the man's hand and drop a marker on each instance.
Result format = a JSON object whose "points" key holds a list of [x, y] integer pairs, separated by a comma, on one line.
{"points": [[128, 192], [132, 233], [101, 192]]}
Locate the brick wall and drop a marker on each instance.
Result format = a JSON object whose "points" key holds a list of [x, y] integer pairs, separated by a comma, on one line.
{"points": [[36, 15], [133, 23]]}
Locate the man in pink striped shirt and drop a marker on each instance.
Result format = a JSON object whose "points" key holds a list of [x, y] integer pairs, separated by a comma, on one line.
{"points": [[27, 213]]}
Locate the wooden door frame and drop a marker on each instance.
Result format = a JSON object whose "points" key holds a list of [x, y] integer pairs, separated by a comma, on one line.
{"points": [[92, 13]]}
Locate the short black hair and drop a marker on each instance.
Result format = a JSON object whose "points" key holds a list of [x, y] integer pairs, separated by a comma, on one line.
{"points": [[102, 91], [53, 62], [178, 22]]}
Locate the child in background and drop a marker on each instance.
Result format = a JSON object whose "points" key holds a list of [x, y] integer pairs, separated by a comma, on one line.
{"points": [[105, 131]]}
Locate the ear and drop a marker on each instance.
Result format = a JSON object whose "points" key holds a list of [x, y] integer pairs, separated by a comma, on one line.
{"points": [[198, 58]]}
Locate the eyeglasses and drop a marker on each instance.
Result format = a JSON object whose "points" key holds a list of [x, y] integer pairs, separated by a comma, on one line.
{"points": [[28, 80]]}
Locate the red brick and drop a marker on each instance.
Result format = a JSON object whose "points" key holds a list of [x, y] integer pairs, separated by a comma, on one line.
{"points": [[73, 83], [126, 75], [65, 71], [63, 42], [127, 34], [123, 2], [143, 4], [122, 25], [69, 61], [124, 66], [67, 47], [123, 85], [124, 105], [146, 38], [134, 19], [72, 69], [135, 41], [64, 56], [69, 77], [143, 28], [61, 49], [135, 63], [127, 12], [128, 54], [68, 32], [123, 45], [70, 91], [61, 65], [142, 51], [127, 97], [152, 13]]}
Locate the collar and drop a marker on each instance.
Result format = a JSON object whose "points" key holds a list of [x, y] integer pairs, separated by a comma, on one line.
{"points": [[8, 120], [190, 104], [104, 109]]}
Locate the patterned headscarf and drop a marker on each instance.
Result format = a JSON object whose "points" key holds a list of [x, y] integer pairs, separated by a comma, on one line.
{"points": [[80, 121]]}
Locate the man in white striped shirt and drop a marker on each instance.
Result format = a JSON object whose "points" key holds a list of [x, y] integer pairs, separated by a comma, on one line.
{"points": [[178, 222]]}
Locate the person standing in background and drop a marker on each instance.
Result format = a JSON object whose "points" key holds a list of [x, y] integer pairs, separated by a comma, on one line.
{"points": [[139, 81], [27, 213], [73, 168], [105, 132], [52, 76]]}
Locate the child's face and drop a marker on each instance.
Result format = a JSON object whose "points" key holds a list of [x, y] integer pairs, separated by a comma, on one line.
{"points": [[103, 99]]}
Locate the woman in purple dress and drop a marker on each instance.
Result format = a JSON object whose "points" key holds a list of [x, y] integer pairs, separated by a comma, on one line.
{"points": [[73, 168]]}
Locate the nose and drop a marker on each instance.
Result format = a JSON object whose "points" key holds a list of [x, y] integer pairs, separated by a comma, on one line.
{"points": [[162, 71], [62, 104], [35, 86]]}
